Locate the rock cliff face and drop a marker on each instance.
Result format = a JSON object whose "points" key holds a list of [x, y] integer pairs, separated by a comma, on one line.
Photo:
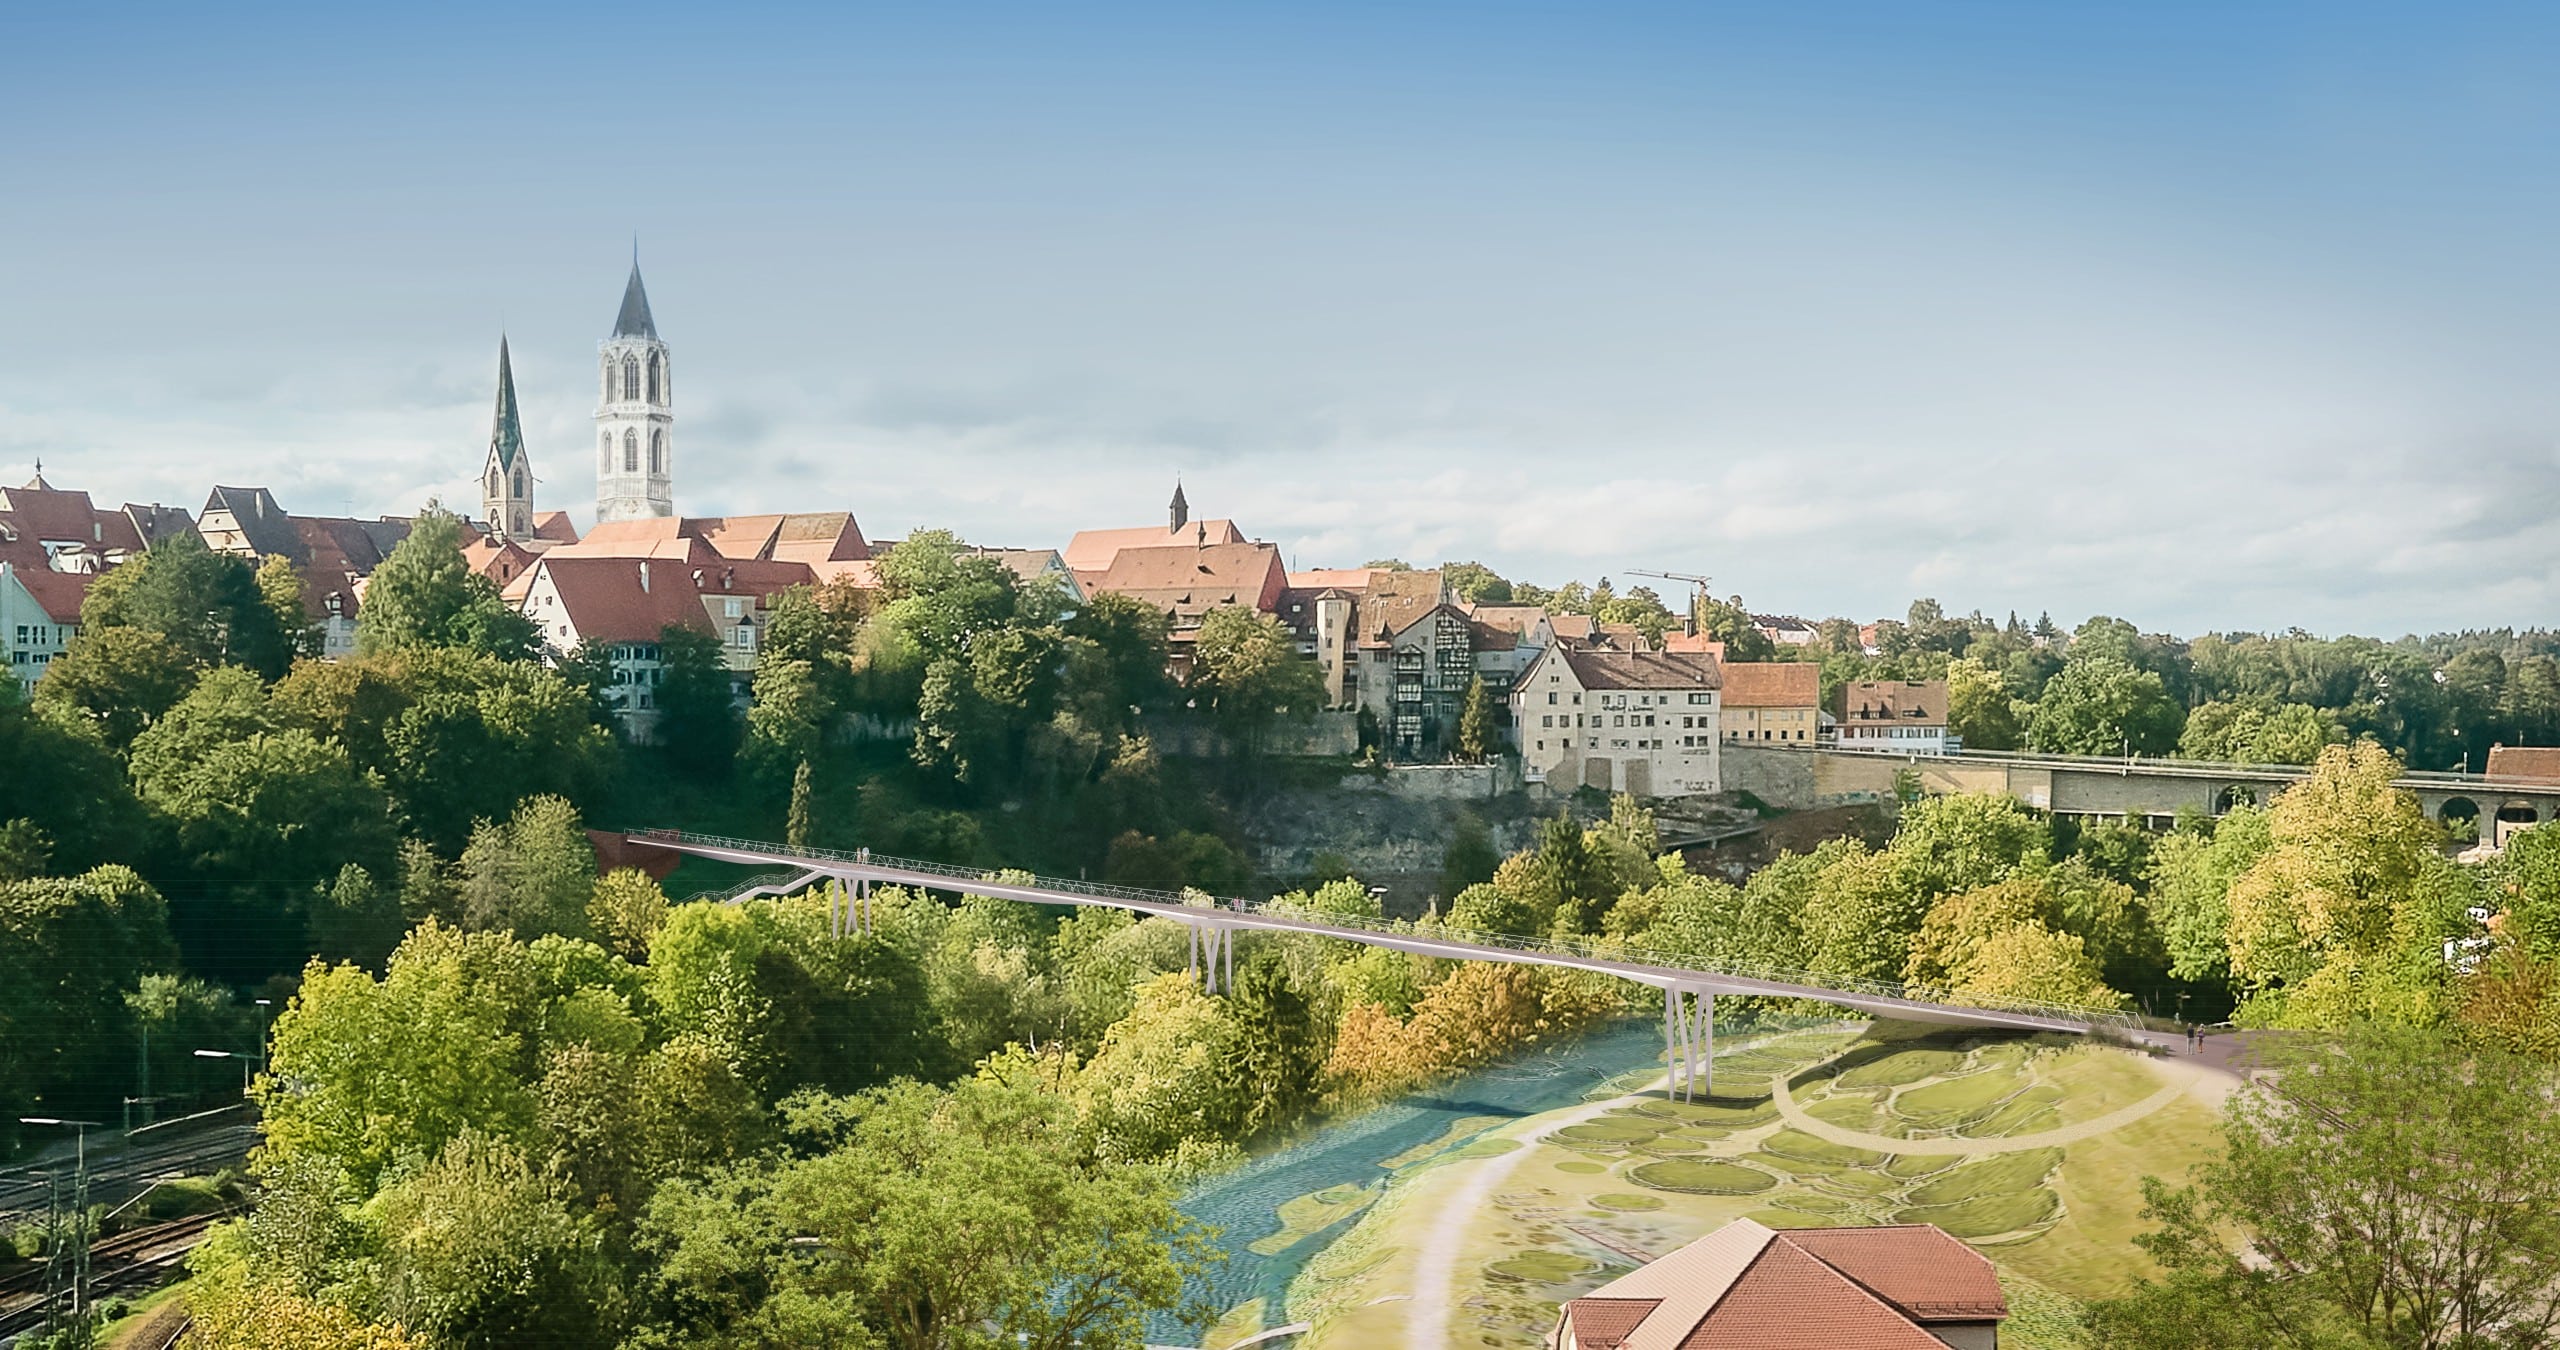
{"points": [[1390, 829]]}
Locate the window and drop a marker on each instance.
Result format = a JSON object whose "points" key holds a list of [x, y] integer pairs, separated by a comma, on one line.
{"points": [[1620, 719], [1702, 698], [493, 481], [1551, 694], [1547, 721], [631, 452], [654, 364], [524, 482], [631, 377], [1648, 719]]}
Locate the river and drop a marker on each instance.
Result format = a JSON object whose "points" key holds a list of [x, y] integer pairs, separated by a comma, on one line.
{"points": [[1354, 1150]]}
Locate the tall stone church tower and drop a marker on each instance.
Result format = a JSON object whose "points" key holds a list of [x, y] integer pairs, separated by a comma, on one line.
{"points": [[635, 423], [506, 481]]}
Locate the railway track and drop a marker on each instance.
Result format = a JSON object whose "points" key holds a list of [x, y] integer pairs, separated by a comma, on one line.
{"points": [[122, 1261], [114, 1177]]}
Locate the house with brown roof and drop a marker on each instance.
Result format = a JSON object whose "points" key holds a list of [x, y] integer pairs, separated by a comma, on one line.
{"points": [[1747, 1286], [1186, 581], [807, 537], [1321, 608], [1773, 702], [1637, 722], [625, 606], [1893, 717], [1090, 553], [334, 554], [53, 543]]}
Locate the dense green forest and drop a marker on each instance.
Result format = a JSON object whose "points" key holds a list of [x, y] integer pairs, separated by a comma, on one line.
{"points": [[511, 1100]]}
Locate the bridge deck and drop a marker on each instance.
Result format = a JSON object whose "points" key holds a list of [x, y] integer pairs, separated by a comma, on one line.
{"points": [[1659, 970]]}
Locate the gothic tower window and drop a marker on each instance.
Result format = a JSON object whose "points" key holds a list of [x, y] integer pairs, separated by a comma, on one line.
{"points": [[524, 482], [493, 480], [631, 377], [653, 381], [631, 452], [657, 452]]}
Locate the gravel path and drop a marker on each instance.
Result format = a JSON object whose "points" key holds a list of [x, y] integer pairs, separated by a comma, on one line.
{"points": [[2207, 1083]]}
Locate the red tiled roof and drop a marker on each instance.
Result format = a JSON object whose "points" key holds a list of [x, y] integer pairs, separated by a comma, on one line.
{"points": [[1395, 602], [1603, 1323], [1919, 1268], [1338, 578], [2524, 761], [1570, 627], [1746, 1285], [1188, 581], [620, 599], [1772, 684], [58, 593], [554, 526], [1790, 1299], [1093, 550], [1693, 642]]}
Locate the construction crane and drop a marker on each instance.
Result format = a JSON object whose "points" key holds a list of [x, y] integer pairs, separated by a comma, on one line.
{"points": [[1697, 596]]}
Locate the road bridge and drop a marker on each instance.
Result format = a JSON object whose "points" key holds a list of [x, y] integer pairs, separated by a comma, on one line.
{"points": [[2156, 790], [1689, 989]]}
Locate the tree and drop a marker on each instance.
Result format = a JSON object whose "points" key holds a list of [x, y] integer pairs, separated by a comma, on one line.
{"points": [[919, 1218], [1479, 735], [2257, 733], [2347, 904], [70, 950], [798, 822], [1131, 640], [355, 919], [247, 800], [534, 875], [626, 912], [697, 703], [480, 1251], [2191, 876], [426, 595], [2102, 705], [1278, 1048], [787, 722], [2386, 1188], [80, 801], [1247, 668], [205, 604], [1475, 583], [1470, 857], [115, 681], [1979, 707], [280, 586]]}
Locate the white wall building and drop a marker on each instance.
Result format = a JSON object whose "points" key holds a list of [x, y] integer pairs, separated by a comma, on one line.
{"points": [[1637, 722], [1893, 717], [31, 633]]}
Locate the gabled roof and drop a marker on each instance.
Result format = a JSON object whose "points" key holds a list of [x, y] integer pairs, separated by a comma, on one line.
{"points": [[1772, 684], [58, 594], [1642, 670], [1396, 601], [1187, 581], [807, 537], [554, 526], [819, 536], [264, 524], [1520, 619], [1693, 642], [1570, 627], [506, 432], [1334, 578], [634, 320], [1805, 1289], [1092, 550], [619, 599]]}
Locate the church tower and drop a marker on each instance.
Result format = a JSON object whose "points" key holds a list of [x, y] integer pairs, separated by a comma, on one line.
{"points": [[506, 481], [635, 423]]}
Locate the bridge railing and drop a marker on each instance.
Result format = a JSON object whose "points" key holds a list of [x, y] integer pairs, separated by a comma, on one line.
{"points": [[1599, 954], [2175, 766]]}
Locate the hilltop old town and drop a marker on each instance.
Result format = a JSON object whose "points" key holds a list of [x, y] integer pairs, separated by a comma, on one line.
{"points": [[1635, 707]]}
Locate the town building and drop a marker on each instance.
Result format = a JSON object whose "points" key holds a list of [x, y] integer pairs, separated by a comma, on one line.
{"points": [[1636, 722], [1898, 717], [1416, 660], [1321, 608], [624, 605], [53, 543], [333, 554], [1751, 1287], [1507, 638], [1186, 581], [1090, 553], [810, 537], [1773, 702], [1785, 630], [635, 417]]}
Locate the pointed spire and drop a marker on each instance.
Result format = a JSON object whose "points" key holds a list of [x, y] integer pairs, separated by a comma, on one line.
{"points": [[634, 320], [1181, 508], [506, 431]]}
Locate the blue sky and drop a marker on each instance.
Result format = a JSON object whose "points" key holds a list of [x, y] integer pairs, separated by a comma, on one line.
{"points": [[2206, 315]]}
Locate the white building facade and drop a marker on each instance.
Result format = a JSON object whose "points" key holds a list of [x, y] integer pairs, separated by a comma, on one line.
{"points": [[1644, 723]]}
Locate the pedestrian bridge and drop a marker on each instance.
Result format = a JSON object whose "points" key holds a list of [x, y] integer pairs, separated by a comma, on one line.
{"points": [[1688, 988]]}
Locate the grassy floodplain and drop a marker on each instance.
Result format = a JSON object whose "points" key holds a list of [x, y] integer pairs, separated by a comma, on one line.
{"points": [[2030, 1148]]}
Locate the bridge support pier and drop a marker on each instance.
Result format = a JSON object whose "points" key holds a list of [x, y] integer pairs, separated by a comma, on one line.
{"points": [[1688, 1041], [1211, 945], [848, 906]]}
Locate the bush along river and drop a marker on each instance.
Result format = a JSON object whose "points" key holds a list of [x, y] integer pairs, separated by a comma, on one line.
{"points": [[1281, 1208]]}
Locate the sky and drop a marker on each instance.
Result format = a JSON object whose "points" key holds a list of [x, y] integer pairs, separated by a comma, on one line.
{"points": [[2210, 316]]}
